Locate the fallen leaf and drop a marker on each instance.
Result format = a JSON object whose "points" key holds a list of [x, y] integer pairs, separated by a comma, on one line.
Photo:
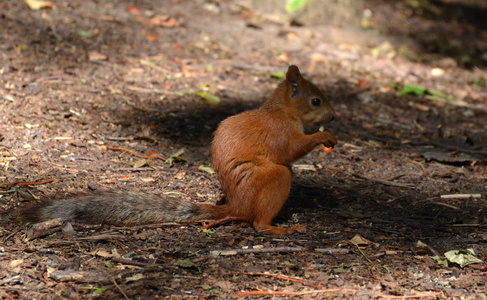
{"points": [[135, 277], [363, 82], [177, 155], [86, 34], [140, 163], [184, 263], [99, 290], [462, 257], [210, 98], [152, 38], [38, 4], [133, 10], [153, 154], [412, 89], [208, 170], [358, 240], [96, 56], [278, 75], [163, 21], [295, 5]]}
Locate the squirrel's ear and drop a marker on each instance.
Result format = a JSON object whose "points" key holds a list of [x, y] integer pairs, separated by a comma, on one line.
{"points": [[293, 76]]}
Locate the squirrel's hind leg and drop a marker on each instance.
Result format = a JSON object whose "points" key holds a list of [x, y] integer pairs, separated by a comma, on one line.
{"points": [[275, 183]]}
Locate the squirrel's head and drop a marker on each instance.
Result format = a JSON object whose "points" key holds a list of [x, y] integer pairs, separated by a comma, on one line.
{"points": [[309, 103]]}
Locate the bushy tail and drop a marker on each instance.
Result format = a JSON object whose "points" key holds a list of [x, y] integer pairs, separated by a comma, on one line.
{"points": [[125, 209]]}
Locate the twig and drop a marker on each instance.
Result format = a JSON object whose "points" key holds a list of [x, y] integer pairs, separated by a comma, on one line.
{"points": [[460, 196], [44, 229], [332, 250], [10, 235], [261, 250], [408, 296], [130, 262], [119, 289], [372, 265], [43, 233], [28, 183], [258, 67], [446, 205], [293, 293], [479, 274], [6, 295], [135, 154], [385, 182], [279, 277]]}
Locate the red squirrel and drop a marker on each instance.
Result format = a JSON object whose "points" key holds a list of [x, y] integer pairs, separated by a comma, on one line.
{"points": [[252, 155]]}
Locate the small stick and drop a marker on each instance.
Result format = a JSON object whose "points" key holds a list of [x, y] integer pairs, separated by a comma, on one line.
{"points": [[479, 274], [254, 250], [446, 205], [332, 250], [293, 293], [279, 277], [460, 196], [385, 182], [130, 262], [119, 289], [44, 233], [28, 183], [136, 154], [409, 296]]}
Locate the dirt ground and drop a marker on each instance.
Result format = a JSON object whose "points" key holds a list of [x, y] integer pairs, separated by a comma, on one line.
{"points": [[85, 79]]}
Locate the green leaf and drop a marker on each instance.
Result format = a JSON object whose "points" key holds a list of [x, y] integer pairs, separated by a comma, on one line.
{"points": [[412, 89], [437, 94], [108, 264], [85, 34], [441, 260], [208, 170], [210, 289], [462, 257], [290, 265], [210, 98], [177, 155], [209, 232], [295, 5], [99, 290], [278, 75], [184, 263]]}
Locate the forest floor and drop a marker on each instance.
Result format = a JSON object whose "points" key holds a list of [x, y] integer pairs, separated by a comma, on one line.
{"points": [[86, 80]]}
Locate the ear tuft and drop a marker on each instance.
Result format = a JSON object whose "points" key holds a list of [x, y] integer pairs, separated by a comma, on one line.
{"points": [[293, 75]]}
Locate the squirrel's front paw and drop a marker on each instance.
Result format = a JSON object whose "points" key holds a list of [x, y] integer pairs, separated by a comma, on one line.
{"points": [[329, 140]]}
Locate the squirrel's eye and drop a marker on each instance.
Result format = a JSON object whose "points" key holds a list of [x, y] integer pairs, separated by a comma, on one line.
{"points": [[316, 101]]}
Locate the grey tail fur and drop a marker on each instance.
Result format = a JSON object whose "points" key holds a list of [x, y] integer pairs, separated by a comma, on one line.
{"points": [[124, 209]]}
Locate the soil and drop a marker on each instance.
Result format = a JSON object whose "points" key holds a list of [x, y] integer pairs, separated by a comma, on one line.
{"points": [[86, 80]]}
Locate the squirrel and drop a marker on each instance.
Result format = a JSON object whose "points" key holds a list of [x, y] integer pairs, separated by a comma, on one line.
{"points": [[252, 154]]}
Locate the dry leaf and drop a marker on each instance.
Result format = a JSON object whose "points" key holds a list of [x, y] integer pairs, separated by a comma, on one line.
{"points": [[140, 163], [163, 21], [361, 241], [153, 154], [95, 56]]}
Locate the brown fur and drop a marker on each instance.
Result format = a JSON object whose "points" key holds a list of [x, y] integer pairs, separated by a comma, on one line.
{"points": [[252, 153]]}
